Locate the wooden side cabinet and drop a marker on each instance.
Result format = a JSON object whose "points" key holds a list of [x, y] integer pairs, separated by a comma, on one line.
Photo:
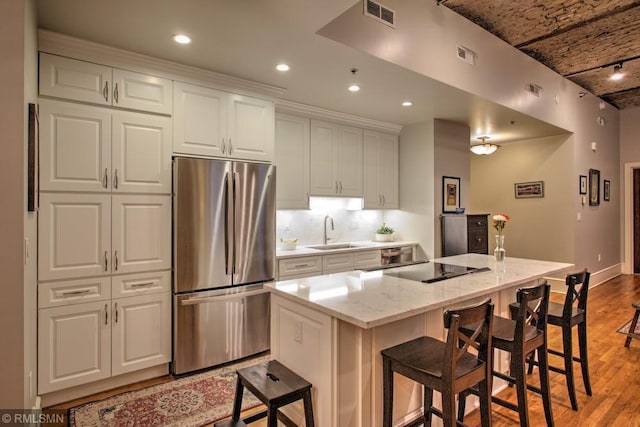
{"points": [[465, 234]]}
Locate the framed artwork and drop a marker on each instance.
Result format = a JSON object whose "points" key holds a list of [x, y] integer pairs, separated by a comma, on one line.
{"points": [[583, 184], [450, 193], [527, 190], [594, 187], [606, 192], [32, 159]]}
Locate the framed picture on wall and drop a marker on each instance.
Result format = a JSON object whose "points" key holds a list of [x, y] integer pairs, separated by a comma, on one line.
{"points": [[606, 192], [450, 193], [583, 184], [526, 190], [594, 187]]}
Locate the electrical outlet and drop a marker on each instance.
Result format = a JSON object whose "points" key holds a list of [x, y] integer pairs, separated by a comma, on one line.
{"points": [[297, 332], [579, 216]]}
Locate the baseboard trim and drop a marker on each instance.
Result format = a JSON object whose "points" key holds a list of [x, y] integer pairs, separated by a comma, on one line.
{"points": [[597, 278]]}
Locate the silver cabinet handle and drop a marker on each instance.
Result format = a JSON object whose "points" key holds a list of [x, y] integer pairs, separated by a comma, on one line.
{"points": [[105, 179], [115, 260], [106, 262], [106, 315], [379, 200], [116, 313], [336, 187], [115, 93], [340, 187], [223, 146], [80, 292], [230, 146], [105, 91], [301, 265], [139, 285], [384, 201], [115, 178]]}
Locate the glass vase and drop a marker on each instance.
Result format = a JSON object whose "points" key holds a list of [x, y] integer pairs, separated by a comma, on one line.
{"points": [[499, 250]]}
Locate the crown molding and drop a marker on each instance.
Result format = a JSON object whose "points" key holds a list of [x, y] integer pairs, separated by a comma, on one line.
{"points": [[72, 47], [291, 107]]}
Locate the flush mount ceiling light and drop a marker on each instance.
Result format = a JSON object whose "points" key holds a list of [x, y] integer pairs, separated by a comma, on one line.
{"points": [[354, 87], [181, 38], [484, 147], [407, 104], [282, 67], [617, 72]]}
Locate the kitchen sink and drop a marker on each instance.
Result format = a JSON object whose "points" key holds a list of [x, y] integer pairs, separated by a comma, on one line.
{"points": [[336, 246]]}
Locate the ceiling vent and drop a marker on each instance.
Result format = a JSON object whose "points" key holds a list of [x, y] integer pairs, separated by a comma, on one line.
{"points": [[380, 13], [534, 89], [465, 54]]}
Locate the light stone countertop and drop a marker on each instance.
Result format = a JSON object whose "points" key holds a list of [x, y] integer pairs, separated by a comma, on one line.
{"points": [[357, 246], [371, 299]]}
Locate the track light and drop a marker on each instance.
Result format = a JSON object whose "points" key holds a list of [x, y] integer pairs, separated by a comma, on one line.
{"points": [[354, 87], [617, 72], [484, 148]]}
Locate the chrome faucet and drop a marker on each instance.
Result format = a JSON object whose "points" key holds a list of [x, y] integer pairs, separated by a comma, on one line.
{"points": [[325, 229]]}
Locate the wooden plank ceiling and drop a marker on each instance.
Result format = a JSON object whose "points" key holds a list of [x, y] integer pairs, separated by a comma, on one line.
{"points": [[580, 39]]}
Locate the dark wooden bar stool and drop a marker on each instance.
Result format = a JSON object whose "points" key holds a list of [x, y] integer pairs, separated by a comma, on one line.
{"points": [[446, 367], [632, 326], [275, 385], [572, 313], [521, 335]]}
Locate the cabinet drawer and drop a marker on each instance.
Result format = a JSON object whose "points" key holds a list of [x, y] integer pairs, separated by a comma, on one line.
{"points": [[337, 262], [478, 241], [477, 221], [56, 294], [300, 267], [366, 259], [138, 284]]}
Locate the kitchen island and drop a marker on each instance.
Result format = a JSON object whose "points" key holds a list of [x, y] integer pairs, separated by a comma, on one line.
{"points": [[330, 329]]}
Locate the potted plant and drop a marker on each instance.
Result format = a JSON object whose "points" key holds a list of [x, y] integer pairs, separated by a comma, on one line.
{"points": [[384, 233]]}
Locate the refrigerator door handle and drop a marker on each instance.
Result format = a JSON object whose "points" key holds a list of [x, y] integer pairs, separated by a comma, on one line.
{"points": [[236, 179], [219, 298], [228, 185]]}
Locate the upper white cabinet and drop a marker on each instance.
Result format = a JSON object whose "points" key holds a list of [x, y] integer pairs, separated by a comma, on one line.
{"points": [[336, 160], [210, 122], [67, 78], [95, 149], [292, 161], [380, 170]]}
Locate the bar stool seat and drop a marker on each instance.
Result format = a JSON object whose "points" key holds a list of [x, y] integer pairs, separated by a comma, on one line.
{"points": [[275, 385], [632, 326]]}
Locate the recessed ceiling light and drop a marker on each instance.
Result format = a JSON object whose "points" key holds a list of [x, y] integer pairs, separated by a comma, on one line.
{"points": [[617, 72], [181, 38], [407, 104], [282, 67], [354, 88]]}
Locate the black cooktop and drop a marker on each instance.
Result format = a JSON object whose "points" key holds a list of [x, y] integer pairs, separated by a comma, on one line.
{"points": [[430, 272]]}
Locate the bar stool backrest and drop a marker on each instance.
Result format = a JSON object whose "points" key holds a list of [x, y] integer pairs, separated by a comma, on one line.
{"points": [[533, 306], [577, 291], [477, 318]]}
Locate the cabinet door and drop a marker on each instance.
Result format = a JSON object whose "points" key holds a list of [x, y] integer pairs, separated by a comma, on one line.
{"points": [[141, 153], [74, 238], [324, 140], [72, 79], [142, 92], [337, 263], [388, 171], [73, 345], [349, 161], [141, 335], [372, 195], [292, 161], [141, 233], [75, 147], [251, 124], [199, 120]]}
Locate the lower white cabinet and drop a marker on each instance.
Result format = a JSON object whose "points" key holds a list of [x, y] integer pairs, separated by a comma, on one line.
{"points": [[337, 263], [83, 342], [314, 265]]}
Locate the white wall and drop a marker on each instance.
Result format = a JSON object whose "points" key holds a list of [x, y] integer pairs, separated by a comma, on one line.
{"points": [[539, 228]]}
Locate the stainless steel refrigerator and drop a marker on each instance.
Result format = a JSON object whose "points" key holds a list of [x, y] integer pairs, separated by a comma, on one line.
{"points": [[224, 250]]}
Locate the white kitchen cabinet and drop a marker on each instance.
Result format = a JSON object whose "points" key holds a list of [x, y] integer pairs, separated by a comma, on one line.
{"points": [[74, 235], [211, 122], [95, 149], [380, 170], [67, 78], [292, 161], [74, 345], [290, 268], [336, 160], [366, 259], [141, 233], [141, 332], [337, 263]]}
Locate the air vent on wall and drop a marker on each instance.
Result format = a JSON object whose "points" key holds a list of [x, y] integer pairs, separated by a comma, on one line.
{"points": [[379, 12], [534, 89], [465, 54]]}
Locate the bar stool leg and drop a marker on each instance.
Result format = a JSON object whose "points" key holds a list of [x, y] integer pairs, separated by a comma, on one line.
{"points": [[427, 404], [584, 358], [568, 365], [237, 400], [448, 409], [485, 403], [632, 328], [272, 416], [543, 370], [519, 373], [462, 405], [387, 393], [308, 410]]}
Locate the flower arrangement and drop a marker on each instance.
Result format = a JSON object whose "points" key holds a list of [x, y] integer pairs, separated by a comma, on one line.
{"points": [[499, 221]]}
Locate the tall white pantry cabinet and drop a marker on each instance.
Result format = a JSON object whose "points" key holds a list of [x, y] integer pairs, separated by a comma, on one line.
{"points": [[104, 233]]}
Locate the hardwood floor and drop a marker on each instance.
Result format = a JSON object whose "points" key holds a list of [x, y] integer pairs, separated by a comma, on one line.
{"points": [[615, 370]]}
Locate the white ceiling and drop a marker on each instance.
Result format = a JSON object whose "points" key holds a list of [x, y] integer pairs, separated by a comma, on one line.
{"points": [[247, 38]]}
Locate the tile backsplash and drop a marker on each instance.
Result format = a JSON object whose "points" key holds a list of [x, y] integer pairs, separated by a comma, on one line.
{"points": [[307, 225]]}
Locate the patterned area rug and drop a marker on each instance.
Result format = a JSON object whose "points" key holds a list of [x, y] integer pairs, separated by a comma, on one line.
{"points": [[624, 329], [190, 401]]}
